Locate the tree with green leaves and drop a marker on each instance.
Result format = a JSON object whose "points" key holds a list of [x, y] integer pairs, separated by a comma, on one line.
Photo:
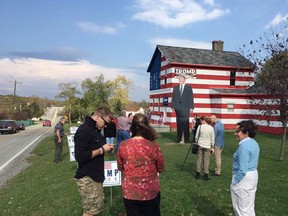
{"points": [[34, 110], [95, 92], [119, 93], [68, 92], [79, 109], [270, 56]]}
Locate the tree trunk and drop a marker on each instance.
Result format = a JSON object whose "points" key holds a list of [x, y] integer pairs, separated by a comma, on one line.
{"points": [[283, 141]]}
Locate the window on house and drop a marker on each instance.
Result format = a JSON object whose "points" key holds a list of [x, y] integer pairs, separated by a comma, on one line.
{"points": [[165, 79], [230, 107], [232, 78]]}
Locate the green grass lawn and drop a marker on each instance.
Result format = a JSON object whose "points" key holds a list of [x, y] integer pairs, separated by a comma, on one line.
{"points": [[48, 189]]}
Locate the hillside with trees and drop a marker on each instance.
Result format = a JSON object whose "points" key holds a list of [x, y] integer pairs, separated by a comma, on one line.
{"points": [[77, 101]]}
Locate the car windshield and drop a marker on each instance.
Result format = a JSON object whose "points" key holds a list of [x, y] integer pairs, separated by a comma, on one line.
{"points": [[5, 122]]}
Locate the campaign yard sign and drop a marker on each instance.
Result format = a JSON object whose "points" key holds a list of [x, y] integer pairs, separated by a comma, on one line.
{"points": [[71, 145], [112, 174]]}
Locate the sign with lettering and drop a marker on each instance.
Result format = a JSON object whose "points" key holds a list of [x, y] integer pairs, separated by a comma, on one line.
{"points": [[71, 145], [187, 72], [112, 174]]}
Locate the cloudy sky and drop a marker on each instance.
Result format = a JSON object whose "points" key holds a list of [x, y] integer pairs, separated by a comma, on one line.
{"points": [[45, 42]]}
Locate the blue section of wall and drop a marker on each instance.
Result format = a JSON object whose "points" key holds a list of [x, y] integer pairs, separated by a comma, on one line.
{"points": [[155, 72]]}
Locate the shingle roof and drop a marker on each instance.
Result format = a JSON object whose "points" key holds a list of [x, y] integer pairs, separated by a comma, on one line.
{"points": [[255, 89], [204, 57]]}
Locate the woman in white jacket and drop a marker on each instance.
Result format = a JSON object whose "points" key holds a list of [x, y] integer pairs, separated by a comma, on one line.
{"points": [[205, 136]]}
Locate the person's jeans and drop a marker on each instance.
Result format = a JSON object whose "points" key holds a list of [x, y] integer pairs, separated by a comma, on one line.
{"points": [[121, 136]]}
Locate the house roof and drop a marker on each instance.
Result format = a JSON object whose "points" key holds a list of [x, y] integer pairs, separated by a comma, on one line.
{"points": [[203, 57], [254, 89]]}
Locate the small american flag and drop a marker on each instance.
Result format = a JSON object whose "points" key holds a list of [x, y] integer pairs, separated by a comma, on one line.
{"points": [[107, 165]]}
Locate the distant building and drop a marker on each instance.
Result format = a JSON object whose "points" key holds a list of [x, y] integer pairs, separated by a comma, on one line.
{"points": [[222, 82]]}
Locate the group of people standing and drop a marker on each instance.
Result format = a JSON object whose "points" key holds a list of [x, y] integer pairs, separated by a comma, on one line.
{"points": [[140, 159], [245, 160], [209, 134]]}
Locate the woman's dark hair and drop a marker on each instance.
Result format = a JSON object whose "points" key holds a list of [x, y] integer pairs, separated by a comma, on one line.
{"points": [[249, 127], [206, 119], [141, 127]]}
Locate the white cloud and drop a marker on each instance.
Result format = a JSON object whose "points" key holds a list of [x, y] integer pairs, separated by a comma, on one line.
{"points": [[277, 20], [142, 65], [209, 2], [176, 13], [98, 29], [41, 77], [180, 43]]}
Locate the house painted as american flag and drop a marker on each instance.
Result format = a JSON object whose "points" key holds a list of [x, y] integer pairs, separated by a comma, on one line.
{"points": [[222, 82]]}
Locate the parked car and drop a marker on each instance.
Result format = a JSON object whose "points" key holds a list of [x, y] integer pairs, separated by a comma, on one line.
{"points": [[20, 126], [8, 126], [46, 122]]}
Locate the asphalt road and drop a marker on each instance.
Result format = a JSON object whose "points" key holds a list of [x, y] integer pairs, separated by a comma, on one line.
{"points": [[15, 148]]}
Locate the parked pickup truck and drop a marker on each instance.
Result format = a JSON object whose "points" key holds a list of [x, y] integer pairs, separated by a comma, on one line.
{"points": [[46, 123]]}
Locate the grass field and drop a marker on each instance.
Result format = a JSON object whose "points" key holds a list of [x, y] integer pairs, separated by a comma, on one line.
{"points": [[48, 189]]}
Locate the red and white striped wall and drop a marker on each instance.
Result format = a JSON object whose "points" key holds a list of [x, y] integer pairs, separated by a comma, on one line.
{"points": [[229, 108]]}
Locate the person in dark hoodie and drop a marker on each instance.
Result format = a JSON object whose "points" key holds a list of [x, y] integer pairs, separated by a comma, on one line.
{"points": [[90, 148]]}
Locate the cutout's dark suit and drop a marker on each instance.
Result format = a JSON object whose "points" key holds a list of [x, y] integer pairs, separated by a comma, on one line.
{"points": [[182, 105]]}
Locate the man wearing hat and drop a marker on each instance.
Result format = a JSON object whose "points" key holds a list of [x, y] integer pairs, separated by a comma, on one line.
{"points": [[182, 103]]}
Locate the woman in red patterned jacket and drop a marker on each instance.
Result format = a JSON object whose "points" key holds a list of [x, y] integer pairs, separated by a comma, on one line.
{"points": [[140, 160]]}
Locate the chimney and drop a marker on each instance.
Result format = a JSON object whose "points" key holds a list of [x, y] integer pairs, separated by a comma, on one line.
{"points": [[217, 45]]}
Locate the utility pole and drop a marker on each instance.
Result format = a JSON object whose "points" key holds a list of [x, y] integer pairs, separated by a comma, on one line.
{"points": [[14, 95]]}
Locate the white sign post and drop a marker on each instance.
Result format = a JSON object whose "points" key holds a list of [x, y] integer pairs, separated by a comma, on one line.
{"points": [[112, 176]]}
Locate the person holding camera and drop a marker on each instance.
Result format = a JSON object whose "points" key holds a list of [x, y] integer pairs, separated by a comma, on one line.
{"points": [[196, 123], [206, 140]]}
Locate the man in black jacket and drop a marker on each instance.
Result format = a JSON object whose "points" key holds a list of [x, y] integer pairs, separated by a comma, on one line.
{"points": [[89, 153], [182, 103]]}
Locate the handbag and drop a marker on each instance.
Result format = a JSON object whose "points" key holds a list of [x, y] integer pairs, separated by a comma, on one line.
{"points": [[195, 146]]}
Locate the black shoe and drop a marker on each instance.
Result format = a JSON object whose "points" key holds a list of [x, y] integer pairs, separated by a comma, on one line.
{"points": [[215, 174], [197, 176], [205, 178]]}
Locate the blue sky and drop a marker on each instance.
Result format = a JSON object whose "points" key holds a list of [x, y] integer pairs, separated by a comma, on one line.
{"points": [[45, 42]]}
